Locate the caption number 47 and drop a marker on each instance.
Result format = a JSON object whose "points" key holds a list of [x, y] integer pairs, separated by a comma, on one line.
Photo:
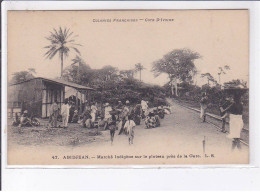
{"points": [[55, 157]]}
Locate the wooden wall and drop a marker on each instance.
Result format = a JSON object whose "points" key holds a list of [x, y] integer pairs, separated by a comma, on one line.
{"points": [[26, 96], [36, 96]]}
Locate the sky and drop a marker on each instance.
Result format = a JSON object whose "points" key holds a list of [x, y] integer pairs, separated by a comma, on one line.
{"points": [[219, 36]]}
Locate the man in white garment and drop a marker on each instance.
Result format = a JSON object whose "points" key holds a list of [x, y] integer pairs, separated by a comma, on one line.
{"points": [[129, 127], [93, 112], [107, 111], [144, 106]]}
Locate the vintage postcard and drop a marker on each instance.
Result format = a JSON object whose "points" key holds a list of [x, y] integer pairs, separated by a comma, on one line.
{"points": [[128, 87]]}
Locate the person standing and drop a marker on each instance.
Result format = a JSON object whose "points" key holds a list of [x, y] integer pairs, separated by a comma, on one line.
{"points": [[137, 114], [54, 111], [119, 105], [108, 108], [125, 113], [203, 106], [65, 112], [224, 103], [236, 124], [107, 111], [119, 109], [93, 111], [71, 112], [129, 128], [144, 107], [112, 128]]}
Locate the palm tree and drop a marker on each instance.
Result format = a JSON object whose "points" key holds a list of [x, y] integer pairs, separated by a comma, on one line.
{"points": [[61, 42], [139, 67], [78, 60]]}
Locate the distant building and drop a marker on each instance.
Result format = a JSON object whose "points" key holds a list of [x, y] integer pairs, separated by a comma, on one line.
{"points": [[36, 95]]}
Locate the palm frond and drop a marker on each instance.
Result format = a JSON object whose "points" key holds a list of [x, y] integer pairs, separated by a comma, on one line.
{"points": [[77, 50], [53, 53], [61, 41], [76, 44]]}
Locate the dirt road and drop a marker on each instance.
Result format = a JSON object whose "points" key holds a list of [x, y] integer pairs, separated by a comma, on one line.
{"points": [[179, 140]]}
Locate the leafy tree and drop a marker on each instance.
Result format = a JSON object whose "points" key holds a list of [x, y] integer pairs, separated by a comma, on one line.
{"points": [[23, 75], [78, 60], [79, 72], [61, 41], [139, 67], [108, 73], [178, 64], [127, 73], [112, 85], [209, 77]]}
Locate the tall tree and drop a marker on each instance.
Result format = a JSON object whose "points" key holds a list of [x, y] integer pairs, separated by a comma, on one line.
{"points": [[23, 75], [79, 72], [80, 62], [139, 67], [61, 41], [178, 64]]}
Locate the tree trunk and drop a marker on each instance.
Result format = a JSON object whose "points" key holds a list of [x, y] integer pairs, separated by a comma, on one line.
{"points": [[176, 89], [78, 74], [77, 103], [172, 86], [61, 67]]}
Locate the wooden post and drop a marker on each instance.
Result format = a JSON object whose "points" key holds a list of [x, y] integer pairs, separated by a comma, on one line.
{"points": [[77, 104], [85, 105], [80, 102], [88, 97], [47, 93], [204, 144]]}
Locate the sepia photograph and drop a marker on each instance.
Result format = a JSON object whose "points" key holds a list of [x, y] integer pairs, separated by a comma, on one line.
{"points": [[128, 87]]}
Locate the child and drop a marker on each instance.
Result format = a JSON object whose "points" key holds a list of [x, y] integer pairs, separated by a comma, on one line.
{"points": [[129, 127], [112, 127]]}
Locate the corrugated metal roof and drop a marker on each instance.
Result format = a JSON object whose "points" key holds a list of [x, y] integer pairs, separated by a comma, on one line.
{"points": [[61, 82]]}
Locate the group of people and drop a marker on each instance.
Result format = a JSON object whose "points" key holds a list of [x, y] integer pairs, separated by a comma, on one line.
{"points": [[25, 120], [121, 117], [230, 107]]}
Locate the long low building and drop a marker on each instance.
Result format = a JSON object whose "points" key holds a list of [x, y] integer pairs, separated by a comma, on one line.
{"points": [[37, 94]]}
